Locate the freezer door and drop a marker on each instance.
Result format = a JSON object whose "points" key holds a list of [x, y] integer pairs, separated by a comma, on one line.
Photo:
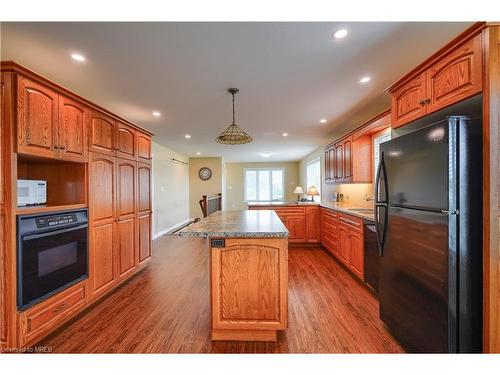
{"points": [[416, 167], [413, 288]]}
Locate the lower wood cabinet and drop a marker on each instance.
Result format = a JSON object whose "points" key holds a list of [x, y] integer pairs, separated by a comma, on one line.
{"points": [[342, 236], [144, 234], [120, 236], [37, 321], [302, 222]]}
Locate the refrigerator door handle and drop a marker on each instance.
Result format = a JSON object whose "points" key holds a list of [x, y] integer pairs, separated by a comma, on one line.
{"points": [[380, 171], [381, 237]]}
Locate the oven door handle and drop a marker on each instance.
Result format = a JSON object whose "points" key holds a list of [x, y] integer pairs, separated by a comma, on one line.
{"points": [[52, 233]]}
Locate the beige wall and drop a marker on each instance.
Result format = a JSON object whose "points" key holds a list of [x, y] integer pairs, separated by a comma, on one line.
{"points": [[170, 190], [235, 195], [353, 193], [198, 187]]}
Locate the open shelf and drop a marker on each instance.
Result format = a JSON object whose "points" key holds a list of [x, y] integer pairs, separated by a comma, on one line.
{"points": [[27, 210], [66, 183]]}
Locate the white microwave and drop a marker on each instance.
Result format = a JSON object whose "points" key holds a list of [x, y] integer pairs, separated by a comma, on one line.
{"points": [[31, 192]]}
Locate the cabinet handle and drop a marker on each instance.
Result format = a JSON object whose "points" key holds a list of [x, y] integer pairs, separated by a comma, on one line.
{"points": [[349, 222], [427, 101], [57, 147], [59, 308], [422, 103]]}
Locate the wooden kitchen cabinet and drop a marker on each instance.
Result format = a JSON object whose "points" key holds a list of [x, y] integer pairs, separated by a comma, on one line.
{"points": [[313, 226], [296, 225], [407, 102], [72, 130], [454, 75], [101, 133], [339, 162], [126, 247], [357, 258], [144, 187], [143, 148], [126, 141], [37, 114], [144, 236], [344, 249], [102, 195], [347, 158]]}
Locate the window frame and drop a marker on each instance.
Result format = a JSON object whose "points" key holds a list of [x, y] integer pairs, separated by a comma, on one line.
{"points": [[318, 186], [383, 132], [245, 170]]}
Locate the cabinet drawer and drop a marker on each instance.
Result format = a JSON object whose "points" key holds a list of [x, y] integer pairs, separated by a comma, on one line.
{"points": [[287, 211], [329, 229], [327, 214], [352, 222], [330, 244], [47, 316]]}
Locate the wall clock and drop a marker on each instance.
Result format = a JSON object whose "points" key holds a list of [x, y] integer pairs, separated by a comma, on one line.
{"points": [[205, 173]]}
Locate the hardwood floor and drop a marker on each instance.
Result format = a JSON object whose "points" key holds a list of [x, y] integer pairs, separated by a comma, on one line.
{"points": [[165, 309]]}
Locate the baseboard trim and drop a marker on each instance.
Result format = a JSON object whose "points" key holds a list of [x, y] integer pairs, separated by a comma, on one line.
{"points": [[172, 228]]}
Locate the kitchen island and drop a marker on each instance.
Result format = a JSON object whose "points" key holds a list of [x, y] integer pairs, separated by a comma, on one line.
{"points": [[249, 273]]}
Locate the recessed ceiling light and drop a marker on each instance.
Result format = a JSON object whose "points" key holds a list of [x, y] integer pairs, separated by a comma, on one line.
{"points": [[266, 154], [187, 136], [156, 113], [323, 120], [198, 153], [365, 79], [339, 34], [285, 134], [78, 57]]}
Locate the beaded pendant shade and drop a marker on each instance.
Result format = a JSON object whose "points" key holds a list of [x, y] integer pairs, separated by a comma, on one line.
{"points": [[233, 135]]}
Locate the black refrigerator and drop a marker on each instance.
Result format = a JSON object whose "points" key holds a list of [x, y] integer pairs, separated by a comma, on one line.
{"points": [[428, 211]]}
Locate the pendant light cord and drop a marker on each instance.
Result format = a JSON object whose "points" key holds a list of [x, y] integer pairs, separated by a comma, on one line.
{"points": [[233, 107]]}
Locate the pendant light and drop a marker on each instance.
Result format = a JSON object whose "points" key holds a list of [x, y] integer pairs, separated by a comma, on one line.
{"points": [[233, 135]]}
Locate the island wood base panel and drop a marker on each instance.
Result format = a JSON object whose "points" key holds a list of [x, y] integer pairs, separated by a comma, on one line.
{"points": [[249, 286], [243, 335]]}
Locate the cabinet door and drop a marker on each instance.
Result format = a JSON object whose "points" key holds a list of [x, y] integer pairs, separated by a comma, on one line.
{"points": [[408, 101], [36, 118], [125, 141], [72, 132], [344, 249], [102, 268], [333, 164], [357, 254], [327, 165], [347, 144], [101, 130], [102, 188], [126, 247], [125, 188], [313, 225], [296, 225], [339, 161], [143, 147], [456, 76], [144, 187], [144, 230]]}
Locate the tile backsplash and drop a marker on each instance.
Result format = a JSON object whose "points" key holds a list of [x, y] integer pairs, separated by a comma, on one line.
{"points": [[353, 193]]}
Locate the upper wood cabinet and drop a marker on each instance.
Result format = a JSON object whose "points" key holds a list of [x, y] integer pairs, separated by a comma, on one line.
{"points": [[126, 141], [37, 113], [101, 133], [457, 76], [349, 159], [143, 147], [407, 102], [72, 130], [449, 78]]}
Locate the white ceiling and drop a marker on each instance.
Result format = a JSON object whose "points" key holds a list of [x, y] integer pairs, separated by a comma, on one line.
{"points": [[290, 76]]}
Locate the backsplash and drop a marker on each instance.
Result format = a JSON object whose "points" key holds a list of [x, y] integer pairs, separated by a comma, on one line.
{"points": [[353, 193]]}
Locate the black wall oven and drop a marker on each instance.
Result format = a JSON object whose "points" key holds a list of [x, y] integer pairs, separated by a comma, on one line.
{"points": [[51, 254]]}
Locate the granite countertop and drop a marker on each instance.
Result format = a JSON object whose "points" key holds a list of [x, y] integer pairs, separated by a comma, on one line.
{"points": [[347, 208], [274, 203], [231, 224]]}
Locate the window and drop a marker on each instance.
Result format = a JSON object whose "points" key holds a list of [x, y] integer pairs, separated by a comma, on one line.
{"points": [[264, 185], [378, 138], [313, 176]]}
